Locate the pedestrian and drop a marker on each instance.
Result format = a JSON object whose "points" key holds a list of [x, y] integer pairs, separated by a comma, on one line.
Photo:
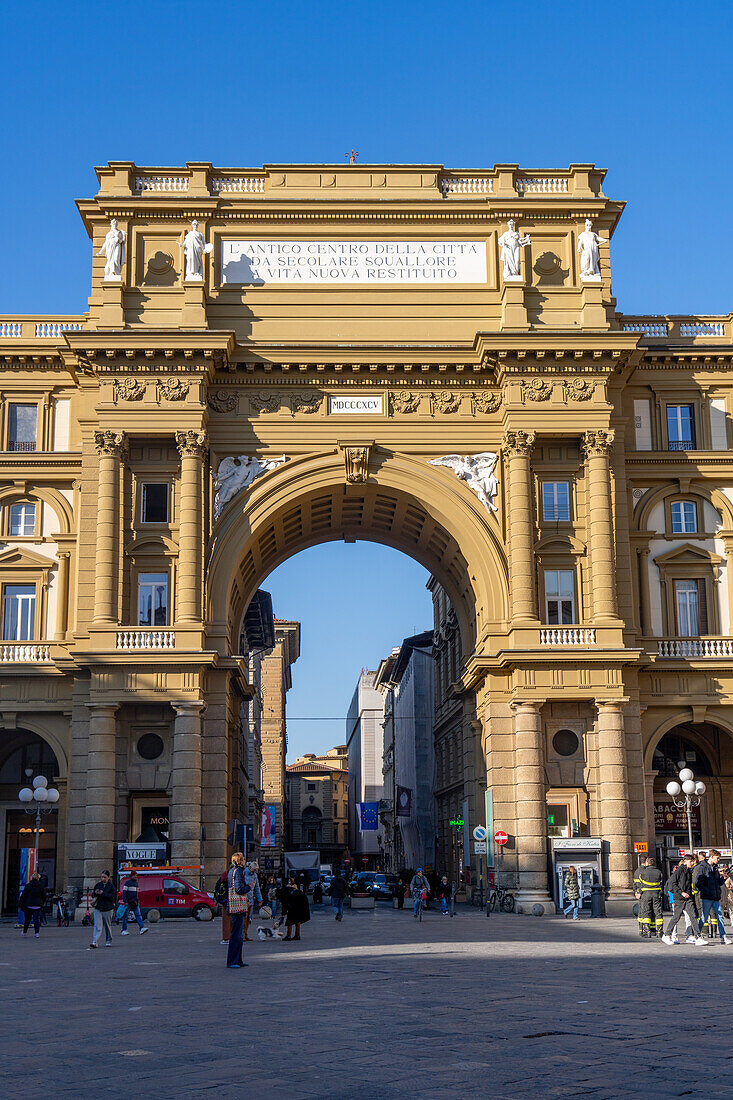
{"points": [[419, 889], [572, 892], [444, 895], [318, 893], [255, 896], [709, 884], [31, 903], [237, 905], [295, 908], [131, 899], [221, 896], [726, 899], [271, 890], [401, 887], [648, 887], [103, 900], [338, 891], [679, 886]]}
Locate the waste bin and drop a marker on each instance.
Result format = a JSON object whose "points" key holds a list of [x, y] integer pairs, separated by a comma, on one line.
{"points": [[597, 905]]}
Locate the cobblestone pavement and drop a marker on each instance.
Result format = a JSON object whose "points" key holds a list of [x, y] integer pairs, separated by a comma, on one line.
{"points": [[375, 1006]]}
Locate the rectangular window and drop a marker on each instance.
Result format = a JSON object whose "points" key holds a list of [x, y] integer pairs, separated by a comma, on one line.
{"points": [[311, 786], [154, 503], [22, 426], [681, 427], [684, 517], [556, 501], [335, 809], [152, 599], [690, 604], [559, 597], [22, 519], [19, 612], [558, 817]]}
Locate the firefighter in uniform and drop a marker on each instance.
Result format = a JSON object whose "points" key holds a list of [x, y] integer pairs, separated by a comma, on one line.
{"points": [[648, 888]]}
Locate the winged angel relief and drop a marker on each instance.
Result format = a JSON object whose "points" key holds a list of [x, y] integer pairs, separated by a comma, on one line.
{"points": [[478, 473]]}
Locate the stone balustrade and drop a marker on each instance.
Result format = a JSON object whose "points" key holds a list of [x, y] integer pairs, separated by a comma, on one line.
{"points": [[674, 329], [144, 184], [467, 185], [542, 185], [142, 639], [714, 648], [45, 328], [25, 653], [567, 635], [237, 184]]}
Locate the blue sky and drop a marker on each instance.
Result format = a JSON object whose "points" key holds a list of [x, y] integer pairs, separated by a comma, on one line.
{"points": [[642, 89]]}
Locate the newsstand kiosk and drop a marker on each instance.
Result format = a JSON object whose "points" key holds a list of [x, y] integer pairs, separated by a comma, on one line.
{"points": [[584, 854]]}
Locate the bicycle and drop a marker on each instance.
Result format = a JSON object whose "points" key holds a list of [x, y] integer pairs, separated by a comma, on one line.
{"points": [[420, 906], [501, 897]]}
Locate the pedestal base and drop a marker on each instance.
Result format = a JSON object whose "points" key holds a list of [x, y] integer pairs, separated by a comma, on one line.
{"points": [[193, 314], [593, 310], [513, 309], [527, 899], [112, 313]]}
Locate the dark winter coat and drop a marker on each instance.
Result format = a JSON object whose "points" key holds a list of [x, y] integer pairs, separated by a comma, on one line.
{"points": [[295, 906], [707, 881], [680, 882], [104, 892], [33, 896], [443, 890], [338, 888], [571, 885]]}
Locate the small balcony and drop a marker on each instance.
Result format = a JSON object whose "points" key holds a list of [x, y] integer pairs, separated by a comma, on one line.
{"points": [[567, 635], [695, 648], [140, 639], [25, 653]]}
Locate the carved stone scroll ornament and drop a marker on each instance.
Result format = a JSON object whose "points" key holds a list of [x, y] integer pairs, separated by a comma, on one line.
{"points": [[173, 389], [191, 443], [447, 402], [128, 389], [598, 443], [110, 443], [486, 401], [404, 401], [235, 474], [265, 402], [306, 402], [356, 458], [478, 473], [536, 389], [223, 401], [518, 444], [578, 389]]}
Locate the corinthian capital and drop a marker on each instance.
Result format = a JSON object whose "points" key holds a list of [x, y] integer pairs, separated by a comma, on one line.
{"points": [[191, 443], [598, 443], [518, 444], [110, 443]]}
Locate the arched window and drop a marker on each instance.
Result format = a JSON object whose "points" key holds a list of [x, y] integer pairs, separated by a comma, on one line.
{"points": [[676, 751], [32, 753]]}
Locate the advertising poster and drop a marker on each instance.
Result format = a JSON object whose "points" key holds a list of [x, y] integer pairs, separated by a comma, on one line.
{"points": [[269, 820]]}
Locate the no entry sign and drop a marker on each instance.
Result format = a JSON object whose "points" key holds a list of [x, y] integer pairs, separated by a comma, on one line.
{"points": [[500, 836]]}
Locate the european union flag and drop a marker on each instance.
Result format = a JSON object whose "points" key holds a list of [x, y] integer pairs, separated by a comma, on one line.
{"points": [[368, 816]]}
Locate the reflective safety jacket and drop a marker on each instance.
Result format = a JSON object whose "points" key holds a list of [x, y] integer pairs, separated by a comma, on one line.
{"points": [[648, 878]]}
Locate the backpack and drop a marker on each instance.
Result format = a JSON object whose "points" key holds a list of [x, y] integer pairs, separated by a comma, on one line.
{"points": [[221, 892]]}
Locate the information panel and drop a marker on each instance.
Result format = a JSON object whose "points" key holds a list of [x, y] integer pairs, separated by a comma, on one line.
{"points": [[258, 263]]}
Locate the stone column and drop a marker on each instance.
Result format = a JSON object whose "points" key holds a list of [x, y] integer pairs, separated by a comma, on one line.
{"points": [[110, 446], [185, 784], [517, 447], [99, 817], [613, 797], [62, 595], [597, 448], [531, 803], [192, 448]]}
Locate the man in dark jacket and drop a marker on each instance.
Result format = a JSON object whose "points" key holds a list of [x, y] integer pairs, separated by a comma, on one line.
{"points": [[648, 884], [130, 898], [679, 885], [104, 899], [709, 885], [31, 904], [338, 890]]}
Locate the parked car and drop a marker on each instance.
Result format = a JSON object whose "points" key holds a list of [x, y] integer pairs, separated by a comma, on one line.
{"points": [[386, 886], [171, 896]]}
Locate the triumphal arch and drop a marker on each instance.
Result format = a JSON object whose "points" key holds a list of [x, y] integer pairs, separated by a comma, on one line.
{"points": [[431, 359]]}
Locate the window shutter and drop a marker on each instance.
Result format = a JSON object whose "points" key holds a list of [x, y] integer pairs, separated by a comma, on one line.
{"points": [[702, 600]]}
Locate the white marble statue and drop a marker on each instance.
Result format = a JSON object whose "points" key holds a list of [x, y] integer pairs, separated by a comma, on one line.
{"points": [[194, 248], [511, 244], [478, 473], [235, 474], [590, 259], [114, 249]]}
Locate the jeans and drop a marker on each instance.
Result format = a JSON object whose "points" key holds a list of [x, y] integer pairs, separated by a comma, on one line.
{"points": [[130, 912], [338, 907], [415, 905], [444, 905], [707, 905], [273, 906], [236, 939], [102, 922], [574, 907], [32, 915]]}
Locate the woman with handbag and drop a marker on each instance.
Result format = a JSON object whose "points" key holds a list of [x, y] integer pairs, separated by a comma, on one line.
{"points": [[237, 906]]}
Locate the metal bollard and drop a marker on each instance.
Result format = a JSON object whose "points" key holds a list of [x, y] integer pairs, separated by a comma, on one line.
{"points": [[597, 905]]}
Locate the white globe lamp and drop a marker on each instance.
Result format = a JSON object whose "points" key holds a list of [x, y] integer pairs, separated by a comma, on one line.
{"points": [[700, 787], [53, 794], [25, 794], [689, 786], [40, 794], [41, 781], [673, 788], [686, 774]]}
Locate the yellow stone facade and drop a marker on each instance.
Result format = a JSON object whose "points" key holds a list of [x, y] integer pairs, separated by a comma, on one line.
{"points": [[164, 377]]}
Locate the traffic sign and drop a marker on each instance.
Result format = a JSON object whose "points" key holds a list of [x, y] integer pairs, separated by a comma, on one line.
{"points": [[479, 833], [480, 847], [500, 836], [641, 847]]}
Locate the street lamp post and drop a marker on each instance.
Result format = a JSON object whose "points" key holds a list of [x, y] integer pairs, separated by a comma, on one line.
{"points": [[686, 796], [38, 799]]}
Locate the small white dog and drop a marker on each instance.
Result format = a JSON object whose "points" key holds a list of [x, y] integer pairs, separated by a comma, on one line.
{"points": [[265, 933]]}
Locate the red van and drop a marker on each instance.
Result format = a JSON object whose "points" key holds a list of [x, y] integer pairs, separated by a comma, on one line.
{"points": [[171, 895]]}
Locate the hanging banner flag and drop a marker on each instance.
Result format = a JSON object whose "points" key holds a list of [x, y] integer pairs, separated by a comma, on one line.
{"points": [[368, 815], [404, 802], [269, 821]]}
